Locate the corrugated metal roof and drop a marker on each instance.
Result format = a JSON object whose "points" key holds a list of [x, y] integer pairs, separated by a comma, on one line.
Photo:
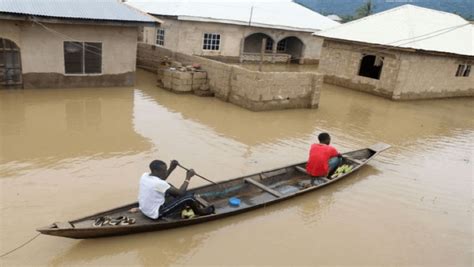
{"points": [[281, 14], [410, 26], [110, 10]]}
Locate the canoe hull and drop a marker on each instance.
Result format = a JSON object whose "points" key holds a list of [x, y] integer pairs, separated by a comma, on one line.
{"points": [[74, 229]]}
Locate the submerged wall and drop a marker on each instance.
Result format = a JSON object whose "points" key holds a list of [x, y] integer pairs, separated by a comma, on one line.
{"points": [[250, 89], [405, 75]]}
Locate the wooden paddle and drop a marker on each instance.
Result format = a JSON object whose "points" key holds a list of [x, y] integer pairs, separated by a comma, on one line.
{"points": [[202, 177]]}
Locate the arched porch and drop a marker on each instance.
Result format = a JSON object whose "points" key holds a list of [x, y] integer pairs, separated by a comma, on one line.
{"points": [[288, 49], [253, 43], [293, 47]]}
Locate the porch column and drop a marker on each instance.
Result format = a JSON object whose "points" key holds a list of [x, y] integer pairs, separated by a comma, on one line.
{"points": [[303, 50], [242, 43], [274, 50]]}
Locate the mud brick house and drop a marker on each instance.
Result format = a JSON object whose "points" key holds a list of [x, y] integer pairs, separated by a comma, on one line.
{"points": [[407, 52]]}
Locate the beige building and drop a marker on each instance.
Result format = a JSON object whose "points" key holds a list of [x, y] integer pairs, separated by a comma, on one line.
{"points": [[234, 31], [68, 43], [407, 52]]}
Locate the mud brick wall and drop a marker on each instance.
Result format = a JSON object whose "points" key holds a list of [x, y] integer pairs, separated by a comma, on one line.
{"points": [[249, 89], [405, 75]]}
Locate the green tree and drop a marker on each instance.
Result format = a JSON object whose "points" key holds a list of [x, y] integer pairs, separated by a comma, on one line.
{"points": [[346, 18], [365, 10]]}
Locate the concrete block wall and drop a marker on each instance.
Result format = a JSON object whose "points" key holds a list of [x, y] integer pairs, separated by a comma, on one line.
{"points": [[250, 89], [149, 57], [267, 90], [430, 76], [218, 73], [181, 82], [340, 64], [405, 75]]}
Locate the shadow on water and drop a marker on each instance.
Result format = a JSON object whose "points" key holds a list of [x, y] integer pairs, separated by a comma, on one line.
{"points": [[173, 246]]}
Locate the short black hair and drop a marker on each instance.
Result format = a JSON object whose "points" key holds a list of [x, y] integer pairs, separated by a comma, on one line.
{"points": [[157, 165], [324, 137]]}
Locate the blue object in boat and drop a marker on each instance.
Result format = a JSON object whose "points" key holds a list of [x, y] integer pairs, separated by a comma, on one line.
{"points": [[234, 202]]}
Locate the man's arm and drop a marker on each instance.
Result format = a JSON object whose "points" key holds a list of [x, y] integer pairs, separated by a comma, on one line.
{"points": [[334, 152], [182, 190], [173, 165]]}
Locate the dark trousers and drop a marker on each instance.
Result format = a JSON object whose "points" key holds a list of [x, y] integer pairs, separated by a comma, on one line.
{"points": [[180, 203]]}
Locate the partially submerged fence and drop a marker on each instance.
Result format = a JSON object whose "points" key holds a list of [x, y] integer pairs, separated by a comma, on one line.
{"points": [[250, 89]]}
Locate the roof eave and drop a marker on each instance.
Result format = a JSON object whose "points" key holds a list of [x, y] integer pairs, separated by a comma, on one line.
{"points": [[244, 23], [63, 20]]}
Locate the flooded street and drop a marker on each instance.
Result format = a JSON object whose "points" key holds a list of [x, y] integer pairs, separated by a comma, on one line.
{"points": [[67, 153]]}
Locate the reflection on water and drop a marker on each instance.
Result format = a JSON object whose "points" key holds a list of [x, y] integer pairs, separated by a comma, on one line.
{"points": [[41, 127], [68, 153]]}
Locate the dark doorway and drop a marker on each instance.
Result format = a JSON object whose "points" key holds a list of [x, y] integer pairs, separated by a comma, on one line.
{"points": [[371, 66], [10, 64]]}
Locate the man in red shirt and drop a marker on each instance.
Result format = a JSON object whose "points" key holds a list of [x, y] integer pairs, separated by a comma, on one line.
{"points": [[323, 158]]}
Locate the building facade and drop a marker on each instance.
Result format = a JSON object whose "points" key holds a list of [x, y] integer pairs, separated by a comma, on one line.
{"points": [[38, 51], [410, 53], [234, 43], [237, 31], [399, 74]]}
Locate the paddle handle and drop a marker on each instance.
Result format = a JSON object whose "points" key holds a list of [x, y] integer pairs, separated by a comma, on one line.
{"points": [[202, 177]]}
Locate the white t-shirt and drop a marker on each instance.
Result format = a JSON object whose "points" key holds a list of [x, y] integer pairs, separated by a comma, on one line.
{"points": [[151, 195]]}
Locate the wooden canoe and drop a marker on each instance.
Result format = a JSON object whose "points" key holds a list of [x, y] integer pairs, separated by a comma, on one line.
{"points": [[254, 191]]}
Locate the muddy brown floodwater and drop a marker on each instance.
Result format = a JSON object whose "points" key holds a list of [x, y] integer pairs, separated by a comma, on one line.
{"points": [[66, 153]]}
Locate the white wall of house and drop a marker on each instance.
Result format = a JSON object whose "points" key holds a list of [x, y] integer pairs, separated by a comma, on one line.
{"points": [[42, 52], [187, 37]]}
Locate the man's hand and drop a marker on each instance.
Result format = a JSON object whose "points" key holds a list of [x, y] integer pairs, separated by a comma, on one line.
{"points": [[174, 163], [190, 173]]}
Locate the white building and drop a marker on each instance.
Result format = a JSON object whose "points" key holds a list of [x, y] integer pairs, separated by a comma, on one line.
{"points": [[233, 30], [407, 52], [61, 43], [334, 17]]}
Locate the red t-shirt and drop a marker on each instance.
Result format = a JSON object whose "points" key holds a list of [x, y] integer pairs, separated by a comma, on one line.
{"points": [[319, 155]]}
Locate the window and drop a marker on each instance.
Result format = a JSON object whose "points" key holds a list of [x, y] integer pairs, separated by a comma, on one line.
{"points": [[269, 45], [82, 58], [10, 63], [281, 46], [463, 70], [212, 41], [371, 66], [160, 36]]}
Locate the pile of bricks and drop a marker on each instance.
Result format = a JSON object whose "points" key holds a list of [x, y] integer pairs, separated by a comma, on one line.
{"points": [[184, 79]]}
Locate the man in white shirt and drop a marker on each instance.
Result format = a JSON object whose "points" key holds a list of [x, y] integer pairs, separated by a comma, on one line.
{"points": [[154, 189]]}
